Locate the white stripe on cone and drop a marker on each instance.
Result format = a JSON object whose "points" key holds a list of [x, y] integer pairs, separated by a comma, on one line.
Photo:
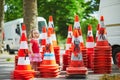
{"points": [[76, 25], [23, 61], [70, 34], [76, 58], [47, 56], [90, 44], [23, 45], [43, 35], [51, 24], [68, 46], [53, 37]]}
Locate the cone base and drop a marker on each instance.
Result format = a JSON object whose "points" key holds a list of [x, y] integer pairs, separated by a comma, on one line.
{"points": [[77, 70], [23, 74]]}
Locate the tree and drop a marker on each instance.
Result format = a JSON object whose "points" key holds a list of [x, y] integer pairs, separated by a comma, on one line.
{"points": [[30, 14], [1, 21], [14, 9], [63, 12]]}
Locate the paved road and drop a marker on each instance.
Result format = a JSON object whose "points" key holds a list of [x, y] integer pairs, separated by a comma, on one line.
{"points": [[6, 68]]}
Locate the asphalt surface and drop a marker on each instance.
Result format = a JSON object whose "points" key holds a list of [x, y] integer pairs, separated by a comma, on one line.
{"points": [[7, 66]]}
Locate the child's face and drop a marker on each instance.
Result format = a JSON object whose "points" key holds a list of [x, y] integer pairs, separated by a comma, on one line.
{"points": [[35, 34]]}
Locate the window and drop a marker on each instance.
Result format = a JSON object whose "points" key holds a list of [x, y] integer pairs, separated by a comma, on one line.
{"points": [[40, 25]]}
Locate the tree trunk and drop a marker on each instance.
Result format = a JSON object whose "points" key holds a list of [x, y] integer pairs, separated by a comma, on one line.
{"points": [[2, 2], [30, 14]]}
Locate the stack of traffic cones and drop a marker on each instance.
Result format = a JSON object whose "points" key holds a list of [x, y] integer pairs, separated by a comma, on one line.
{"points": [[23, 69], [102, 51], [67, 55], [54, 40], [90, 47], [76, 68], [77, 26], [48, 67]]}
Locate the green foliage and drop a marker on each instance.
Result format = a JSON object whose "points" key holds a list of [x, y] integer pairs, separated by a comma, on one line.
{"points": [[14, 9], [63, 12]]}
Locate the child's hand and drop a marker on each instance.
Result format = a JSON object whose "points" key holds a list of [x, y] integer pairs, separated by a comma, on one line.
{"points": [[32, 54]]}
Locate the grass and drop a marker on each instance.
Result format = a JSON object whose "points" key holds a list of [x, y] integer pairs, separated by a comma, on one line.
{"points": [[110, 77], [8, 59]]}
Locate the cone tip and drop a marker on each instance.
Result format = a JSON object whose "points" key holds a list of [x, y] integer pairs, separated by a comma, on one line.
{"points": [[43, 29], [89, 27], [70, 27], [76, 18], [23, 27], [102, 18], [50, 18]]}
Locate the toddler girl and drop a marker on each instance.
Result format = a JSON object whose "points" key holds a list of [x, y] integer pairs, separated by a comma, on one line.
{"points": [[35, 55]]}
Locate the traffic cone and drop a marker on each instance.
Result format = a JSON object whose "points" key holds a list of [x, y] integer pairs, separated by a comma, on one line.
{"points": [[67, 55], [102, 51], [23, 69], [90, 47], [76, 66], [77, 26], [51, 27], [48, 67], [43, 40], [23, 31], [97, 32], [54, 40]]}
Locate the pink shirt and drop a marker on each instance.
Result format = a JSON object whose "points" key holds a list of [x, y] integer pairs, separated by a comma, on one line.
{"points": [[35, 45]]}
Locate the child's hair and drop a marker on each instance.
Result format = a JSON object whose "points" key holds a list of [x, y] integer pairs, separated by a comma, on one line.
{"points": [[31, 32]]}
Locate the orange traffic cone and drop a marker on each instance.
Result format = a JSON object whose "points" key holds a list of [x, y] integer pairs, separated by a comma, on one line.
{"points": [[77, 26], [76, 66], [90, 47], [49, 68], [67, 55], [54, 40], [51, 27], [23, 31], [43, 40], [102, 51], [97, 32], [23, 70]]}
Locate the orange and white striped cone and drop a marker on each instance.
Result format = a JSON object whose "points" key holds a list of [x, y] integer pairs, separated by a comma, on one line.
{"points": [[48, 67], [77, 26], [23, 31], [90, 47], [43, 40], [51, 27], [67, 55], [76, 66], [54, 39], [23, 69], [102, 51], [97, 32]]}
